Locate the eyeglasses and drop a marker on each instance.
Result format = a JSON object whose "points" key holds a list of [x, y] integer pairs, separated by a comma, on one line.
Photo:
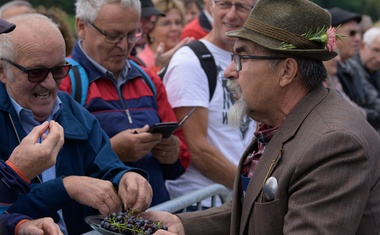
{"points": [[116, 38], [40, 74], [237, 59], [240, 7]]}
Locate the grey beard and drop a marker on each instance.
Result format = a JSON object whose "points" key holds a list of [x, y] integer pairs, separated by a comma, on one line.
{"points": [[237, 112]]}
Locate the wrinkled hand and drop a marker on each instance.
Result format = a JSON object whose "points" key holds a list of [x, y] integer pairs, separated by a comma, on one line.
{"points": [[167, 151], [163, 232], [135, 192], [131, 147], [44, 226], [96, 193], [32, 157], [173, 222], [161, 59]]}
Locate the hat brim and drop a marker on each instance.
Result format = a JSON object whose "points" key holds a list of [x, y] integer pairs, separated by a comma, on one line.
{"points": [[6, 27], [150, 11], [275, 45]]}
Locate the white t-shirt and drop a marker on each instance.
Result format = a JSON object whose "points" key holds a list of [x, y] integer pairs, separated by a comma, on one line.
{"points": [[187, 85]]}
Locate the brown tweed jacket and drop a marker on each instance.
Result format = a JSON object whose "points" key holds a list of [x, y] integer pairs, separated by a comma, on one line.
{"points": [[328, 173]]}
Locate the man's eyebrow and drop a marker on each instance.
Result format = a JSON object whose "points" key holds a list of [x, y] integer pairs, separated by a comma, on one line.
{"points": [[240, 49]]}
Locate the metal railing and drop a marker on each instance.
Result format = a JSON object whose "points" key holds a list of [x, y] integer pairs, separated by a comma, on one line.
{"points": [[180, 204]]}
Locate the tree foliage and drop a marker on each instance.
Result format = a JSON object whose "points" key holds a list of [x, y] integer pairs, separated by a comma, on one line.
{"points": [[66, 5], [365, 7]]}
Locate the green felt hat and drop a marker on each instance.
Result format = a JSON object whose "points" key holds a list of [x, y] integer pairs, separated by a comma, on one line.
{"points": [[289, 27]]}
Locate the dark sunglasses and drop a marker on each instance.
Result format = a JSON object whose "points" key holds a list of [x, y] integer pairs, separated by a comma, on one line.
{"points": [[40, 74]]}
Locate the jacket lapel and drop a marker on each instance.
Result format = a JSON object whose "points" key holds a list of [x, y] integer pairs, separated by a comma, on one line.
{"points": [[273, 150]]}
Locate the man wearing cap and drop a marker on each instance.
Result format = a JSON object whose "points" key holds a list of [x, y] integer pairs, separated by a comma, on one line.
{"points": [[16, 172], [347, 24], [148, 18], [318, 172], [354, 84]]}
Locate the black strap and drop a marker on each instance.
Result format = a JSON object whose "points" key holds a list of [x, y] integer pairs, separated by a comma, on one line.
{"points": [[204, 22], [207, 62], [78, 84]]}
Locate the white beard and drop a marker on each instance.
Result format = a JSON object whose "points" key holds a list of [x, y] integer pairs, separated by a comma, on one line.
{"points": [[240, 108]]}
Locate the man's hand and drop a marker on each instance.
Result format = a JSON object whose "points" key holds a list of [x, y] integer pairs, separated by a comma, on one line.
{"points": [[44, 226], [135, 192], [173, 222], [133, 144], [32, 157], [167, 151], [96, 193]]}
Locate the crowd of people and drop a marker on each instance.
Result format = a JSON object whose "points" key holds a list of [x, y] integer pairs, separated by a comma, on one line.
{"points": [[288, 121]]}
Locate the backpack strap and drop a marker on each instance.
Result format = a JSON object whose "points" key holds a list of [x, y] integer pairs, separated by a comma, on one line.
{"points": [[79, 81], [144, 76], [207, 62]]}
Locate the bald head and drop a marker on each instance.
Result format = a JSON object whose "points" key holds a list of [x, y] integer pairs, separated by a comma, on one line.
{"points": [[35, 32]]}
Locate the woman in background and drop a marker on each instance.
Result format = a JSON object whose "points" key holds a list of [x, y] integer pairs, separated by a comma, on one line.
{"points": [[193, 9], [165, 35]]}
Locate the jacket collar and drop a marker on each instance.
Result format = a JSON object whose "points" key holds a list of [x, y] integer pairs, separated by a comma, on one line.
{"points": [[72, 127], [92, 72]]}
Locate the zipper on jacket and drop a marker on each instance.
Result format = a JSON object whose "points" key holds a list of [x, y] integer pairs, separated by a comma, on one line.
{"points": [[129, 116]]}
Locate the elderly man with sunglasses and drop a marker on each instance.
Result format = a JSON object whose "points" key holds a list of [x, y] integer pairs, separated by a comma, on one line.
{"points": [[125, 100], [88, 178]]}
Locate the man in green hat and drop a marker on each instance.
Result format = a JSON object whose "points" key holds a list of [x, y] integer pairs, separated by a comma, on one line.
{"points": [[313, 167]]}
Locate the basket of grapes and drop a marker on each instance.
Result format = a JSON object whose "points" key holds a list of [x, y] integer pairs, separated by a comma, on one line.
{"points": [[124, 223]]}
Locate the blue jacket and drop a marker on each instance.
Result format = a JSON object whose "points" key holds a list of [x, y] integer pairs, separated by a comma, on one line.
{"points": [[86, 152], [109, 104], [11, 184]]}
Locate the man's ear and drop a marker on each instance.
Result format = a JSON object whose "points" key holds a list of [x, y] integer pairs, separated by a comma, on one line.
{"points": [[288, 72], [81, 27], [3, 78]]}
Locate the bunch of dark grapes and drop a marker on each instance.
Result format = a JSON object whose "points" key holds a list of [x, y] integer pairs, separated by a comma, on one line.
{"points": [[130, 223]]}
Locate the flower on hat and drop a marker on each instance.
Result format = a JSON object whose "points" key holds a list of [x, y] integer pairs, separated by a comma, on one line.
{"points": [[326, 36]]}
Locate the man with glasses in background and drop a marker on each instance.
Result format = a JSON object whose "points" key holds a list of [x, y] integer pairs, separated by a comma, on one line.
{"points": [[214, 144], [367, 61], [352, 80], [125, 99], [88, 178]]}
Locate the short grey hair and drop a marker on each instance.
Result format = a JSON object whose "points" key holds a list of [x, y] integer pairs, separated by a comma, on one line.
{"points": [[312, 72], [88, 10], [13, 3], [370, 35]]}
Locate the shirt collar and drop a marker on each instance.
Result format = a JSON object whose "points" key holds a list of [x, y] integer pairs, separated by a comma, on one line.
{"points": [[105, 72], [26, 116]]}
